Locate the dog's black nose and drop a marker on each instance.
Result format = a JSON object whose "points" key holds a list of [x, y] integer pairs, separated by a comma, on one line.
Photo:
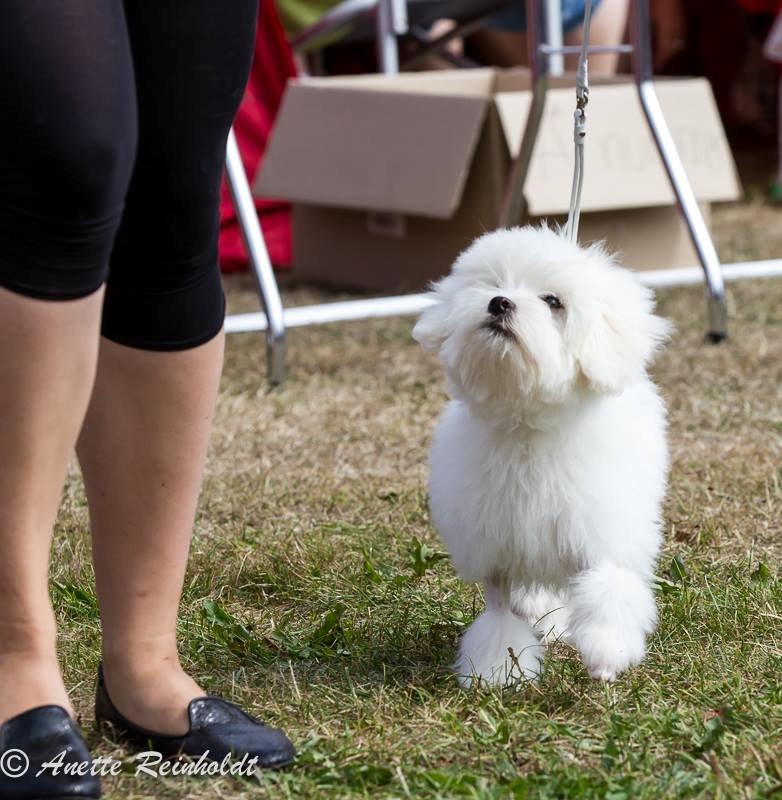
{"points": [[501, 306]]}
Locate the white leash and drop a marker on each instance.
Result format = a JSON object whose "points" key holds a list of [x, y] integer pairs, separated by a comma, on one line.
{"points": [[579, 129]]}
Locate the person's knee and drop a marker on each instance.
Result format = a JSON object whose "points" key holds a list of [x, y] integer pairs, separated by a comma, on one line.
{"points": [[174, 216], [165, 258], [88, 169], [165, 261], [58, 223]]}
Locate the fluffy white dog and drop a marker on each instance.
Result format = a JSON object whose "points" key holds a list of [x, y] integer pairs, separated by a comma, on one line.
{"points": [[549, 465]]}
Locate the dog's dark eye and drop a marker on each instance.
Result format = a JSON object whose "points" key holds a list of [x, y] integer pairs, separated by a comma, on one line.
{"points": [[552, 301]]}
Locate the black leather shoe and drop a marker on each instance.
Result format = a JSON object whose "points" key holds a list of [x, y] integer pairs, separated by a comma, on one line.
{"points": [[217, 729], [35, 737]]}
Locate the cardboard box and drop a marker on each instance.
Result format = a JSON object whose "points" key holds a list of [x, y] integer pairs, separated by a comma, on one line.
{"points": [[391, 176]]}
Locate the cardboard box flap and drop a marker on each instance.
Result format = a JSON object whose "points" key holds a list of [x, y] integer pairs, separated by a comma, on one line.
{"points": [[519, 79], [623, 167], [355, 145], [471, 82]]}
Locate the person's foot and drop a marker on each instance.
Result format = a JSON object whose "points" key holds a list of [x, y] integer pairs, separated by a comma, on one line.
{"points": [[35, 740], [154, 695], [215, 728], [29, 680]]}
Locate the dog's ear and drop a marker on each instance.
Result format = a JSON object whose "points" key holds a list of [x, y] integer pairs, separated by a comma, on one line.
{"points": [[620, 340], [431, 329]]}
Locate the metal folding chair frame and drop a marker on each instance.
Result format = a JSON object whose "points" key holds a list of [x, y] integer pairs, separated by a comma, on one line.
{"points": [[391, 21], [640, 49], [261, 265]]}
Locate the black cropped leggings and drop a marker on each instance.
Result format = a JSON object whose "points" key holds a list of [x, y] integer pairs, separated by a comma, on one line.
{"points": [[113, 124]]}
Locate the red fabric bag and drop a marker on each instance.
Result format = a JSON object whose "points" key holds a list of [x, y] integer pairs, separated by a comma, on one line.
{"points": [[761, 6], [272, 67]]}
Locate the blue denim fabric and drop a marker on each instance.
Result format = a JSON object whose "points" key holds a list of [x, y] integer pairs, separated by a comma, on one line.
{"points": [[514, 18]]}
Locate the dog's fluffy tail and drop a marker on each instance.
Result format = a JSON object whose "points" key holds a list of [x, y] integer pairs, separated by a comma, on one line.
{"points": [[499, 648]]}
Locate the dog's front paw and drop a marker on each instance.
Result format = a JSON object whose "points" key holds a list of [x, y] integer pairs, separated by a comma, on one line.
{"points": [[608, 651], [498, 649], [612, 612]]}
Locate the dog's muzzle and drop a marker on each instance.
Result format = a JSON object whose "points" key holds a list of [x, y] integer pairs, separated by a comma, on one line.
{"points": [[501, 306], [500, 311]]}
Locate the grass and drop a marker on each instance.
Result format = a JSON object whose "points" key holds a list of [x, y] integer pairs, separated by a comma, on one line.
{"points": [[317, 595]]}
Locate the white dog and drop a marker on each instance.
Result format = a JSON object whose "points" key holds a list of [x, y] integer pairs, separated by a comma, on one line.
{"points": [[548, 467]]}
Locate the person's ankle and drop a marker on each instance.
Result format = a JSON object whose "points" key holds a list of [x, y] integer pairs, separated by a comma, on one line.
{"points": [[140, 661], [29, 679], [28, 639], [149, 687]]}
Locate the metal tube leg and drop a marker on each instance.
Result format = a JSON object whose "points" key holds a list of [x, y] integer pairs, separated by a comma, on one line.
{"points": [[513, 208], [699, 232], [553, 17], [387, 47], [685, 197], [259, 259]]}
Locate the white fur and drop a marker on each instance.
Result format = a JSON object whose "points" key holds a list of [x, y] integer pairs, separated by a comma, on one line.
{"points": [[544, 609], [548, 466], [484, 650]]}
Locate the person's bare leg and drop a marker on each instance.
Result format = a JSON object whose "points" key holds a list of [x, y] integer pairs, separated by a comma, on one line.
{"points": [[501, 48], [47, 366], [142, 451]]}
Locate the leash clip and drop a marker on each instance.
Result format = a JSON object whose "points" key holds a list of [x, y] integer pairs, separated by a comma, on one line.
{"points": [[582, 97], [579, 125], [579, 129]]}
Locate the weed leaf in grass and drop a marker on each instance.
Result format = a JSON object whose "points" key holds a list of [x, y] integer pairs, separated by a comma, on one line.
{"points": [[74, 595], [370, 569], [362, 776], [422, 557], [677, 570], [665, 585], [493, 731], [611, 753], [326, 640], [228, 630], [329, 632], [714, 726], [761, 574], [677, 575], [714, 730]]}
